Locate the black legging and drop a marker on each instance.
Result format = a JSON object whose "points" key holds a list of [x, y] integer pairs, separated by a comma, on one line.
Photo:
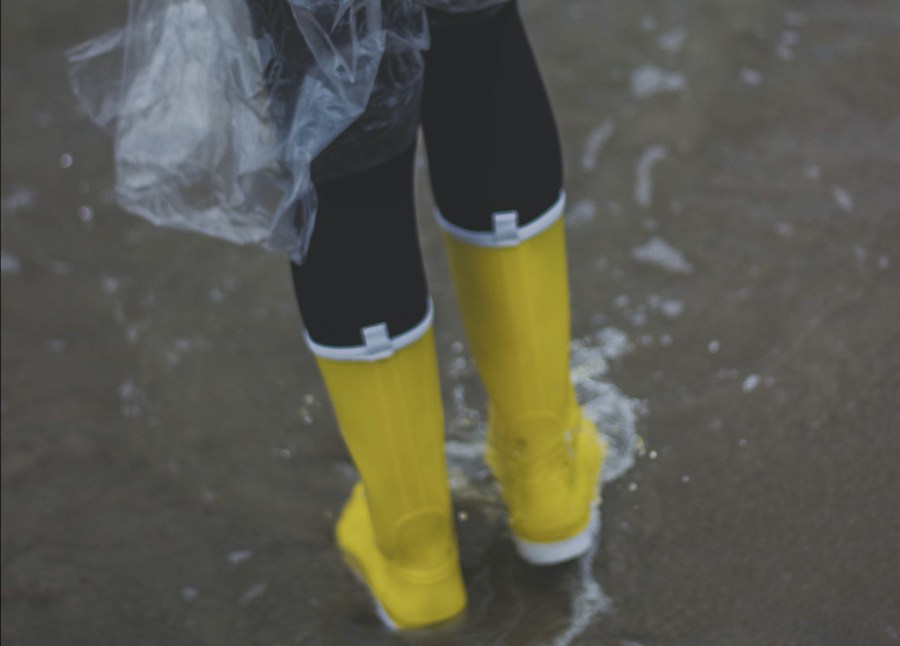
{"points": [[492, 146]]}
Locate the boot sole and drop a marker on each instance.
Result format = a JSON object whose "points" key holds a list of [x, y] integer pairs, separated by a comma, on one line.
{"points": [[560, 551], [443, 620]]}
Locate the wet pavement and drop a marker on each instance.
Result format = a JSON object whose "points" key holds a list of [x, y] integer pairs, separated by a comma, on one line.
{"points": [[171, 471]]}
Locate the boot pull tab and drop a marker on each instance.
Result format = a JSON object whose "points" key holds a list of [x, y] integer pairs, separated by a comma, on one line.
{"points": [[506, 227], [377, 340]]}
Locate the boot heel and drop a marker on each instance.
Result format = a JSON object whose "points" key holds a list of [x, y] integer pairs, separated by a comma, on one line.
{"points": [[560, 551]]}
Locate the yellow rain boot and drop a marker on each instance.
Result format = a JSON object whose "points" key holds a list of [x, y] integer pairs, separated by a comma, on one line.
{"points": [[512, 288], [396, 530]]}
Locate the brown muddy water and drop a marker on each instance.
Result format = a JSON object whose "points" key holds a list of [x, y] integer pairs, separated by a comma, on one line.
{"points": [[171, 471]]}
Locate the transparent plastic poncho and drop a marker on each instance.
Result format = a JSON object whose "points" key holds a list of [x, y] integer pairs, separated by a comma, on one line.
{"points": [[225, 112]]}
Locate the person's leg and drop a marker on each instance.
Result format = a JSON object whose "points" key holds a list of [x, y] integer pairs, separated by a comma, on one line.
{"points": [[496, 174], [365, 304], [364, 266], [489, 130]]}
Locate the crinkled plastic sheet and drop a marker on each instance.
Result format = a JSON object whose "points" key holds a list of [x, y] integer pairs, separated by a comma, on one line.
{"points": [[224, 111]]}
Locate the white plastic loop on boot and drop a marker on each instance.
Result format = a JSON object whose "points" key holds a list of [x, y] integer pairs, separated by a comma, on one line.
{"points": [[506, 227], [377, 341], [507, 232], [376, 338]]}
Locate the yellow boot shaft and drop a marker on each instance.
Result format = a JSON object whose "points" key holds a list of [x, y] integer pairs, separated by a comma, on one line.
{"points": [[396, 530], [544, 454], [515, 305]]}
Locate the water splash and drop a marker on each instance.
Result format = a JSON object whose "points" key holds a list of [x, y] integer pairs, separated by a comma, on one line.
{"points": [[669, 307], [131, 398], [750, 383], [9, 264], [254, 592], [787, 40], [588, 600], [22, 198], [643, 185], [236, 557], [673, 40], [616, 416], [842, 198], [751, 77], [660, 253], [582, 211], [614, 413], [648, 80], [595, 143]]}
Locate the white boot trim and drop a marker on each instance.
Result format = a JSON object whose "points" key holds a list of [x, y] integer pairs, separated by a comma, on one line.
{"points": [[560, 551], [377, 342], [507, 232]]}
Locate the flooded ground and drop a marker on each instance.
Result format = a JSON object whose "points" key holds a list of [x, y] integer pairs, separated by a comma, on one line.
{"points": [[171, 471]]}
